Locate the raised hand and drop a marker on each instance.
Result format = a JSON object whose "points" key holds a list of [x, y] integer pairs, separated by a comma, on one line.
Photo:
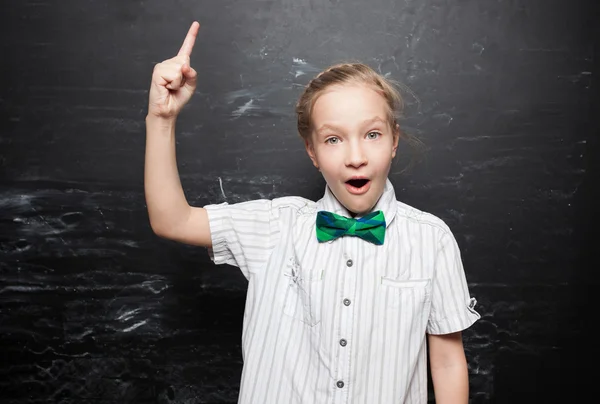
{"points": [[174, 80]]}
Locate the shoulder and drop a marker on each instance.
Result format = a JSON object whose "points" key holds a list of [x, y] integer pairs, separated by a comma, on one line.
{"points": [[293, 203], [287, 205], [286, 202], [406, 213]]}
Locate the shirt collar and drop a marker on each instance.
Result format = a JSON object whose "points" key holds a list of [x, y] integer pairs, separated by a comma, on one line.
{"points": [[386, 203]]}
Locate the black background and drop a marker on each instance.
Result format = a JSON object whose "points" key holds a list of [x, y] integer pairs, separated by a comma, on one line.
{"points": [[94, 308]]}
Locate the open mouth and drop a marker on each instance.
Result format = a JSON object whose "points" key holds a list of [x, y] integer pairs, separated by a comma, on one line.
{"points": [[357, 183]]}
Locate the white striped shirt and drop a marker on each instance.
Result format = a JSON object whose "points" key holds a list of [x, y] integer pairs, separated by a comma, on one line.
{"points": [[343, 321]]}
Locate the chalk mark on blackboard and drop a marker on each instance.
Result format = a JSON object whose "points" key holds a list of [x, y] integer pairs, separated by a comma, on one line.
{"points": [[302, 67], [221, 185], [248, 106], [102, 216], [128, 315], [54, 231], [136, 325]]}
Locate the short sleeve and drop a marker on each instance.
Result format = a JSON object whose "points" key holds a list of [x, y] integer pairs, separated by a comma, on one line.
{"points": [[452, 308], [243, 234]]}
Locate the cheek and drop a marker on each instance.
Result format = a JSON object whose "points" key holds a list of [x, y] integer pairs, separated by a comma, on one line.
{"points": [[381, 163], [328, 156], [381, 152], [328, 166]]}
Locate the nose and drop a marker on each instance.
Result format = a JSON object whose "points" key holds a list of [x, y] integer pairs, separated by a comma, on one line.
{"points": [[356, 156]]}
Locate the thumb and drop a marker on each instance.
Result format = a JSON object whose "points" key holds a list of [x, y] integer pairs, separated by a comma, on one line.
{"points": [[190, 75]]}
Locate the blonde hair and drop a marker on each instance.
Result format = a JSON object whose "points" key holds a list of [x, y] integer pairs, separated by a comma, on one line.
{"points": [[350, 73], [345, 73]]}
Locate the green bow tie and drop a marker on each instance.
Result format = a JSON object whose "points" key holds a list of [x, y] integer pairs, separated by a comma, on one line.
{"points": [[331, 226]]}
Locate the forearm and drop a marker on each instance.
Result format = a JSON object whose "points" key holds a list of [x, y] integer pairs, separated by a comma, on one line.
{"points": [[451, 383], [165, 199]]}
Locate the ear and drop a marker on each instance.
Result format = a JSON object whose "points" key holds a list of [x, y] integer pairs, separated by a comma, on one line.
{"points": [[311, 152], [396, 139]]}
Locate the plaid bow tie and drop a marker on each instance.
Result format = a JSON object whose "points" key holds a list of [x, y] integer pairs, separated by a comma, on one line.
{"points": [[331, 226]]}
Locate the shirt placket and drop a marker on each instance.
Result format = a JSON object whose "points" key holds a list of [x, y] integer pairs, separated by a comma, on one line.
{"points": [[344, 344]]}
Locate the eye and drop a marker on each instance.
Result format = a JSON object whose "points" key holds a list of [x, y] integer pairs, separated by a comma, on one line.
{"points": [[332, 140], [373, 135]]}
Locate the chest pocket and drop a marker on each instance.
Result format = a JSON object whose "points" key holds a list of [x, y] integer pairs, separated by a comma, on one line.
{"points": [[406, 294], [302, 296]]}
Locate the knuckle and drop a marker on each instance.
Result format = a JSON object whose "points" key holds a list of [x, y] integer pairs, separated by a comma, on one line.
{"points": [[182, 59]]}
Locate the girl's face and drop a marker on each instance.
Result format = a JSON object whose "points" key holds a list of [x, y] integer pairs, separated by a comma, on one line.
{"points": [[352, 144]]}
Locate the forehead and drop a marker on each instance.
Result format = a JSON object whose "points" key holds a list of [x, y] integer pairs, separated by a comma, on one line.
{"points": [[347, 104]]}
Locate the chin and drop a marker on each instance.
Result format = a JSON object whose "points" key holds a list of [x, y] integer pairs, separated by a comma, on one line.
{"points": [[359, 210]]}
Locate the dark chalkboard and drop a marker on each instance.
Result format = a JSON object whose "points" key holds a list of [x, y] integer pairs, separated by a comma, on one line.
{"points": [[96, 308]]}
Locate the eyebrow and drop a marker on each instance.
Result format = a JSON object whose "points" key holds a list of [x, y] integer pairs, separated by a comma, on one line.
{"points": [[369, 121]]}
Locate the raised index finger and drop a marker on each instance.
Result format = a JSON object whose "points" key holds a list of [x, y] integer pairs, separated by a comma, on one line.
{"points": [[190, 39]]}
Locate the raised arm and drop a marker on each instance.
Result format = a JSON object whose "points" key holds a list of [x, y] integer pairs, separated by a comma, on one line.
{"points": [[173, 84]]}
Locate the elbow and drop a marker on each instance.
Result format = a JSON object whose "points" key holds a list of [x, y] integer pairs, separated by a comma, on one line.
{"points": [[168, 226], [159, 229]]}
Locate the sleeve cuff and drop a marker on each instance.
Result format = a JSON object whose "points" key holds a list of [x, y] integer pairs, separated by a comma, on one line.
{"points": [[219, 253], [457, 322]]}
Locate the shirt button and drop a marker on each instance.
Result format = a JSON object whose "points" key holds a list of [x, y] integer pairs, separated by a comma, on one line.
{"points": [[349, 263], [346, 302], [343, 342], [340, 384]]}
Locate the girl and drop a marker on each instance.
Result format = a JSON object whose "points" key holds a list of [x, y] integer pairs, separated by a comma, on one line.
{"points": [[346, 294]]}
